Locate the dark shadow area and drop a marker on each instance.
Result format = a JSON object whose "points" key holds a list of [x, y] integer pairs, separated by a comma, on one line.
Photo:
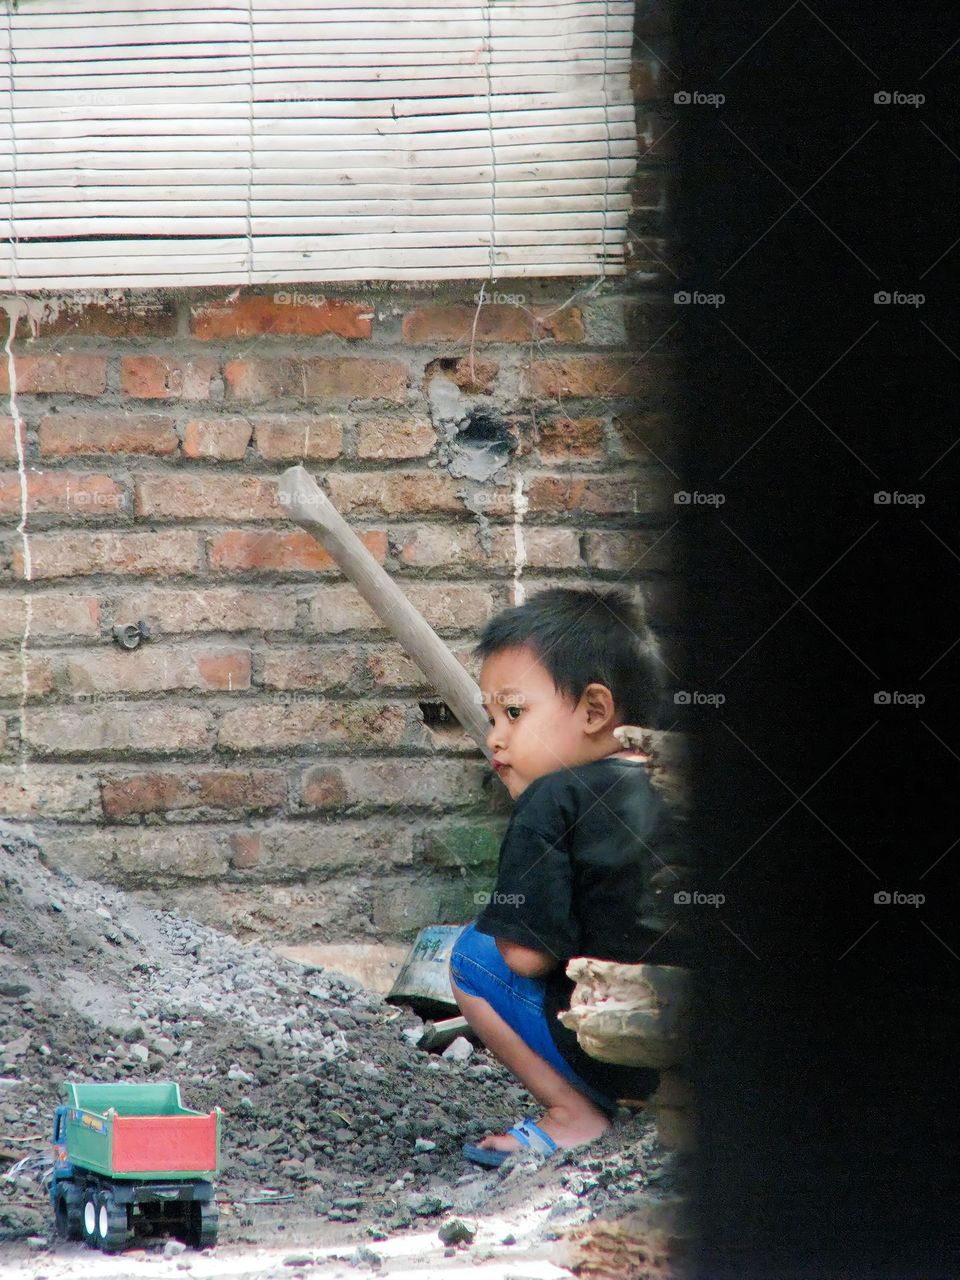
{"points": [[817, 198]]}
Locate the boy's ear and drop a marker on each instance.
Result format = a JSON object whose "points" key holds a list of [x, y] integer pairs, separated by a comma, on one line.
{"points": [[597, 701]]}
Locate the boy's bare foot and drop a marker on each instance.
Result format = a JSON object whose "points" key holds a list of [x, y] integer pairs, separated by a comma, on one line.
{"points": [[566, 1127]]}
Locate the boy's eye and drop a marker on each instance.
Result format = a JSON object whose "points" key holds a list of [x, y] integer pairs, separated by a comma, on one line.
{"points": [[516, 709]]}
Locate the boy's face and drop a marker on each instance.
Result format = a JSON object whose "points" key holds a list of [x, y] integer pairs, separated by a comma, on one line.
{"points": [[534, 730]]}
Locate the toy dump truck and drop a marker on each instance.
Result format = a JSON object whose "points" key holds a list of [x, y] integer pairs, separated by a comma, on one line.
{"points": [[131, 1159]]}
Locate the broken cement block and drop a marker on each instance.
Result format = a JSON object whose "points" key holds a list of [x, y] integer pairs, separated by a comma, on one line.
{"points": [[636, 1015]]}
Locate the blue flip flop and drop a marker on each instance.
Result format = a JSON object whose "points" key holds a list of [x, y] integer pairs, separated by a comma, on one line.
{"points": [[528, 1134]]}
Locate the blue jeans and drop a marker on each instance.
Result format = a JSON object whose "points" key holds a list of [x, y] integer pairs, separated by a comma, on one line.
{"points": [[478, 969]]}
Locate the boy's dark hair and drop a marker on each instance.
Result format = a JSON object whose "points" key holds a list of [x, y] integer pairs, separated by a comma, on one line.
{"points": [[582, 636]]}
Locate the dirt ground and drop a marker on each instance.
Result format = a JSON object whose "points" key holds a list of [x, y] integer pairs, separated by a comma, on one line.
{"points": [[341, 1140]]}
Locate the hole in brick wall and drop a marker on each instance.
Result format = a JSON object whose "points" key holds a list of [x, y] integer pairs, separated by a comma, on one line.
{"points": [[479, 445], [486, 430], [437, 715]]}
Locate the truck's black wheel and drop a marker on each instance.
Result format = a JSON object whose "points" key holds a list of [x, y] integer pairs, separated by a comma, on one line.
{"points": [[202, 1224], [88, 1221], [111, 1223], [68, 1212]]}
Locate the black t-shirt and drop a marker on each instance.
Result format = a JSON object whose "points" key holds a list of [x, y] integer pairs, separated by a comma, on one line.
{"points": [[577, 876]]}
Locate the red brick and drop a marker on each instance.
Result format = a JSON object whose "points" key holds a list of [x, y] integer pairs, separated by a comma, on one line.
{"points": [[156, 667], [65, 555], [284, 312], [566, 438], [641, 495], [223, 439], [642, 550], [49, 374], [317, 667], [373, 783], [49, 791], [213, 788], [495, 323], [391, 668], [168, 377], [280, 438], [67, 434], [8, 440], [54, 615], [476, 377], [341, 608], [170, 611], [324, 787], [383, 439], [141, 856], [275, 726], [34, 674], [239, 550], [182, 496], [646, 436], [318, 850], [407, 493], [430, 546], [82, 494], [597, 376], [246, 849], [110, 318], [316, 378], [224, 670], [100, 728]]}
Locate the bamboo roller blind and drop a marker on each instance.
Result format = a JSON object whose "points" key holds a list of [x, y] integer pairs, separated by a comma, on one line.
{"points": [[168, 142]]}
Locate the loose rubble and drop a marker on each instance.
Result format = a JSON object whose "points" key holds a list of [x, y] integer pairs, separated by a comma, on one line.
{"points": [[331, 1113]]}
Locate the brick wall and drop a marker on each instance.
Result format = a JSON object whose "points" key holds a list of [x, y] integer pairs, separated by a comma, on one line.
{"points": [[268, 757]]}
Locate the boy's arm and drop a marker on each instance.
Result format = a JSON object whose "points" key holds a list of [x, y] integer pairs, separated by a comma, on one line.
{"points": [[525, 961]]}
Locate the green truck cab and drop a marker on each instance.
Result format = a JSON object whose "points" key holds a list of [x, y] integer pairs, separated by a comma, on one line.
{"points": [[131, 1159]]}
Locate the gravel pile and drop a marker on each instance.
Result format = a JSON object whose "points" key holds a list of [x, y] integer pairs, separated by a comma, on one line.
{"points": [[329, 1110]]}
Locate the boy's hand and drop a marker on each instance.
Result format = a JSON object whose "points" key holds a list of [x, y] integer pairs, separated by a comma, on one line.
{"points": [[525, 961]]}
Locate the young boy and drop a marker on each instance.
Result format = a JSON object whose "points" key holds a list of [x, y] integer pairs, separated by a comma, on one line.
{"points": [[579, 863]]}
